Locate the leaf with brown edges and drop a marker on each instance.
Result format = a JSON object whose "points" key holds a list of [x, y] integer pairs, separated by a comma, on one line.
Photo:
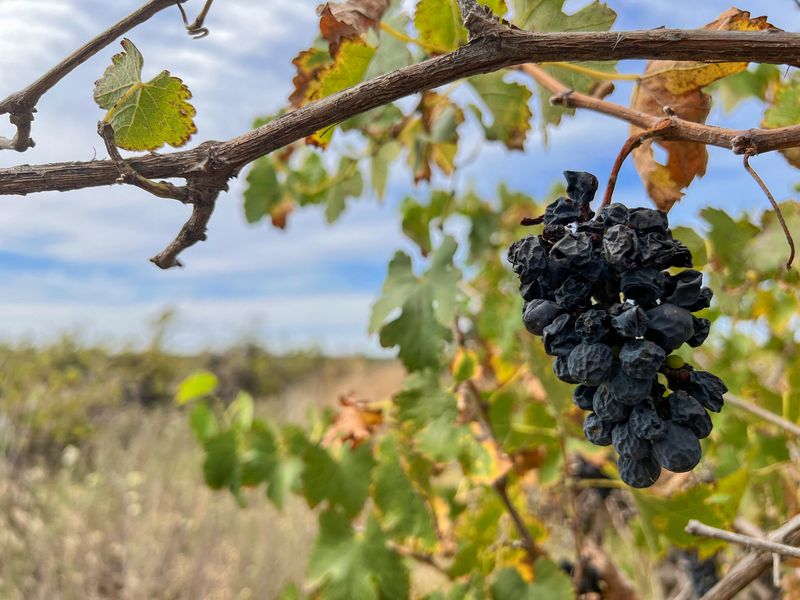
{"points": [[349, 19], [678, 85]]}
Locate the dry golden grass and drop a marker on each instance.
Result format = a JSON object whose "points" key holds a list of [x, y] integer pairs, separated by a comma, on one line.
{"points": [[128, 515]]}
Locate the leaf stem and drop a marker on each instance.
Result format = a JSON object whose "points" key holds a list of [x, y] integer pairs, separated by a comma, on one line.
{"points": [[593, 73], [430, 48]]}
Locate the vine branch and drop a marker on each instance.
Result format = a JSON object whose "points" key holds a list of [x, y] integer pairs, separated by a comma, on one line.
{"points": [[22, 104], [699, 529]]}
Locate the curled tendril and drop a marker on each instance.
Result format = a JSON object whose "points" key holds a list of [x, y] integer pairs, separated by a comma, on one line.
{"points": [[196, 28]]}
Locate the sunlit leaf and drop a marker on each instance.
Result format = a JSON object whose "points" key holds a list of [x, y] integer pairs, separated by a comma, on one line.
{"points": [[144, 115], [196, 386]]}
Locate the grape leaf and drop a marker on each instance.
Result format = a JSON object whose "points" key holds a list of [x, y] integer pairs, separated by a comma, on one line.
{"points": [[748, 84], [347, 565], [417, 217], [263, 193], [432, 137], [550, 582], [678, 84], [348, 68], [349, 19], [508, 104], [144, 116], [403, 513], [221, 466], [426, 305], [343, 483], [784, 111], [308, 65], [196, 386]]}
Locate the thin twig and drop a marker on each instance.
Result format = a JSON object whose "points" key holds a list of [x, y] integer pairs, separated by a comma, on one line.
{"points": [[753, 564], [775, 206], [162, 189], [22, 104], [629, 146], [193, 231], [697, 528], [531, 547], [764, 414]]}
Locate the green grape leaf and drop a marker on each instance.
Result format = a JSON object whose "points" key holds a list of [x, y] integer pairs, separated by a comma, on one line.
{"points": [[144, 116], [403, 513], [417, 217], [196, 386], [392, 53], [343, 482], [221, 466], [426, 304], [753, 83], [784, 112], [381, 161], [550, 582], [346, 565], [263, 191], [549, 15], [203, 422], [508, 105], [346, 183], [261, 458], [431, 413]]}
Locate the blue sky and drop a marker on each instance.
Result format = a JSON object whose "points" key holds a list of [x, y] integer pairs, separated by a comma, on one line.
{"points": [[77, 262]]}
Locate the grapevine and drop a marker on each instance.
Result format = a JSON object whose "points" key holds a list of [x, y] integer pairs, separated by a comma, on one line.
{"points": [[612, 296]]}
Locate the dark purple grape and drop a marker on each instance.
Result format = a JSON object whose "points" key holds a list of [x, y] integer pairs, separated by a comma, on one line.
{"points": [[583, 396], [613, 214], [701, 330], [683, 289], [581, 186], [534, 290], [679, 450], [669, 326], [627, 389], [607, 407], [703, 573], [644, 286], [627, 443], [597, 431], [560, 337], [681, 257], [656, 250], [592, 325], [574, 292], [574, 250], [590, 363], [685, 410], [641, 359], [638, 473], [646, 423], [628, 320], [647, 220], [707, 389], [619, 247], [528, 258], [562, 212], [561, 369], [539, 314], [703, 300]]}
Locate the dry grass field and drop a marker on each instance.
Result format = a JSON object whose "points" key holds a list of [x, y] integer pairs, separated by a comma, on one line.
{"points": [[124, 513]]}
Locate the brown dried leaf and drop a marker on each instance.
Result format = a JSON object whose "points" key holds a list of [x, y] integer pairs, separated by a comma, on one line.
{"points": [[349, 19], [309, 63], [354, 423], [678, 85]]}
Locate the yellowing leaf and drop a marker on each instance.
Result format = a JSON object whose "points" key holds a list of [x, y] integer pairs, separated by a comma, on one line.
{"points": [[438, 23], [509, 108], [347, 69], [308, 64], [196, 386], [678, 84], [144, 116], [354, 423]]}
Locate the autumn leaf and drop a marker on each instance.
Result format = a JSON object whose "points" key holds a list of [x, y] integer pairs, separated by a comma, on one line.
{"points": [[678, 85], [354, 423], [308, 63], [144, 115], [350, 19], [508, 104]]}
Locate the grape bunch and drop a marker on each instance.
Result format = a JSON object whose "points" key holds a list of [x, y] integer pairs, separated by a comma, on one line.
{"points": [[597, 290]]}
